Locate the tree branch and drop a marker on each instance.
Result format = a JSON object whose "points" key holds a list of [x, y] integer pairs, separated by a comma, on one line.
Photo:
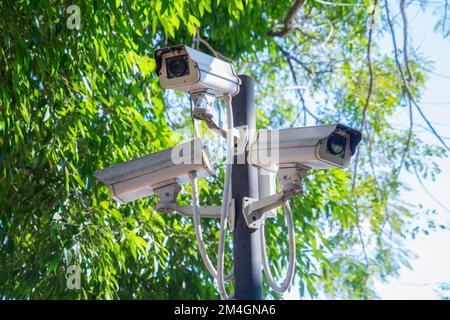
{"points": [[217, 54], [405, 40], [300, 94], [363, 123], [369, 60], [289, 57], [419, 179], [369, 93], [411, 120], [289, 22], [411, 77]]}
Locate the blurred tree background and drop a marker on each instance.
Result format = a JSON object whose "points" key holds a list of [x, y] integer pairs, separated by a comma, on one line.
{"points": [[78, 93]]}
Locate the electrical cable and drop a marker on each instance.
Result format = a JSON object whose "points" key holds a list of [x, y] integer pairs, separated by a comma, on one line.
{"points": [[198, 227], [225, 201], [291, 261], [197, 218], [194, 124], [198, 230]]}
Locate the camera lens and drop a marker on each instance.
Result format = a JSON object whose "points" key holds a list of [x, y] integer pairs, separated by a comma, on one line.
{"points": [[336, 144], [177, 66]]}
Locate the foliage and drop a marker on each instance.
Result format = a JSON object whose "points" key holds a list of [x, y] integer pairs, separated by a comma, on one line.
{"points": [[75, 100]]}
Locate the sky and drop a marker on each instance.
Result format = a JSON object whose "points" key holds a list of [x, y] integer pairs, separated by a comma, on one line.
{"points": [[431, 265]]}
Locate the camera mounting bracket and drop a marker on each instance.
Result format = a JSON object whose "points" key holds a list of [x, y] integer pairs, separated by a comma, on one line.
{"points": [[168, 193], [203, 109], [290, 181], [167, 204]]}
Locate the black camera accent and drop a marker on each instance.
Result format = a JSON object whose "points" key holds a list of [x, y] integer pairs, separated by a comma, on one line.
{"points": [[336, 144], [177, 66]]}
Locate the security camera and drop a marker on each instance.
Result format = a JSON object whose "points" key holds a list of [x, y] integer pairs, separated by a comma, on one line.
{"points": [[139, 178], [291, 153], [185, 69], [316, 147]]}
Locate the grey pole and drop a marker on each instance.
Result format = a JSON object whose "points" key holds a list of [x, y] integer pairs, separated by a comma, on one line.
{"points": [[246, 242]]}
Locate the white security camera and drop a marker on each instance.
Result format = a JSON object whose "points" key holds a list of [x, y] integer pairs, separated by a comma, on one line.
{"points": [[139, 178], [185, 69], [291, 153], [317, 147]]}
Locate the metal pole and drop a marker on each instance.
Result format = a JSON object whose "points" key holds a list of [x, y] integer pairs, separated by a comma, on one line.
{"points": [[246, 242]]}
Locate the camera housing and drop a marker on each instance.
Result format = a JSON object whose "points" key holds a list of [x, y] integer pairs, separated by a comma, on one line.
{"points": [[316, 147], [185, 69], [139, 177]]}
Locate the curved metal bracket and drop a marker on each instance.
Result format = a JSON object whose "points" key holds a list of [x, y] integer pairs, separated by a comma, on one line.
{"points": [[290, 181], [203, 109], [167, 204], [211, 212]]}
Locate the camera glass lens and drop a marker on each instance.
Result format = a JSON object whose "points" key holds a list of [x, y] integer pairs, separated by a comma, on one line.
{"points": [[336, 144], [177, 66]]}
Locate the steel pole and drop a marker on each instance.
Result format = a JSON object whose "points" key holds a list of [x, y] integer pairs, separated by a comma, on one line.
{"points": [[246, 242]]}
